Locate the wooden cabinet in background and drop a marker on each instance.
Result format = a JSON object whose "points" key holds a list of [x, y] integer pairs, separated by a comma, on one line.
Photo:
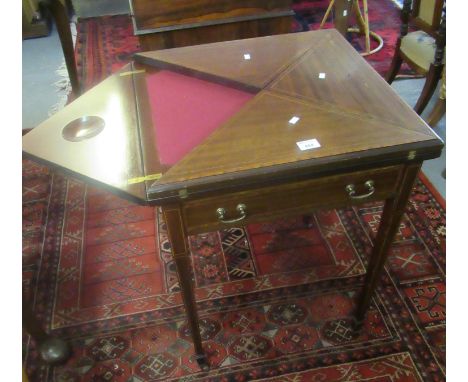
{"points": [[162, 24], [34, 24]]}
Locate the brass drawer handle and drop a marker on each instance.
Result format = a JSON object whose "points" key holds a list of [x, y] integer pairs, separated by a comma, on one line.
{"points": [[241, 208], [352, 192]]}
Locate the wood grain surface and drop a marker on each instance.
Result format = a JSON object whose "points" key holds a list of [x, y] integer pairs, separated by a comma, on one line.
{"points": [[317, 77], [152, 14]]}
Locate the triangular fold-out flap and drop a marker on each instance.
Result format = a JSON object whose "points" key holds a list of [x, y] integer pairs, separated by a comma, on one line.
{"points": [[275, 129], [346, 81], [95, 138], [250, 63], [185, 110]]}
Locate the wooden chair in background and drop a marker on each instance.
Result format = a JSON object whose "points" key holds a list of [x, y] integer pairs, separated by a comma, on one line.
{"points": [[439, 108], [438, 111], [424, 49], [60, 10]]}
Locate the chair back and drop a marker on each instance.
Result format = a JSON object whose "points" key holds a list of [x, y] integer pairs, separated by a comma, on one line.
{"points": [[426, 15]]}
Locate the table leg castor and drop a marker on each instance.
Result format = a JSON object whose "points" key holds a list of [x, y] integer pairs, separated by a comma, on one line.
{"points": [[54, 351], [202, 362], [358, 325]]}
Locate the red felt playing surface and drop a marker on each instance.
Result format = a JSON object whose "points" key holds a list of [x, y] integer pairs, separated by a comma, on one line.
{"points": [[185, 110]]}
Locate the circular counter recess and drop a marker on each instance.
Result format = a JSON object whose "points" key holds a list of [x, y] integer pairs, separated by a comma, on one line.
{"points": [[83, 128]]}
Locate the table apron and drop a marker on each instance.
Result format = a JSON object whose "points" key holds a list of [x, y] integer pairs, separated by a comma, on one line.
{"points": [[290, 199]]}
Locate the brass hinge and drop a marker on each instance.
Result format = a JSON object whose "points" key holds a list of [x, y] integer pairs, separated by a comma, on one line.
{"points": [[131, 72], [411, 155], [183, 194], [141, 179]]}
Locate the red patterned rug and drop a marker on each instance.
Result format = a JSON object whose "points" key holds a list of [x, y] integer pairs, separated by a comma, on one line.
{"points": [[275, 299], [105, 44]]}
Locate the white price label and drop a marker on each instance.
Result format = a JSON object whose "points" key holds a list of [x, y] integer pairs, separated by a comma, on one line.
{"points": [[308, 145], [294, 120]]}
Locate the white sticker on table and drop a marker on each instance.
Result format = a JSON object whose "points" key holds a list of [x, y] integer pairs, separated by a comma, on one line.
{"points": [[294, 120], [308, 145]]}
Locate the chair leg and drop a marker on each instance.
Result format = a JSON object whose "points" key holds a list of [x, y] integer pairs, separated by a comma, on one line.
{"points": [[60, 14], [327, 13], [394, 66], [437, 113], [430, 85]]}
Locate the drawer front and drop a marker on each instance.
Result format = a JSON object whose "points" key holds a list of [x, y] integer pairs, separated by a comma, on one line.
{"points": [[240, 208]]}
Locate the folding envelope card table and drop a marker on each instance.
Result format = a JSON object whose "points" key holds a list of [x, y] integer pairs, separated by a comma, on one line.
{"points": [[226, 134]]}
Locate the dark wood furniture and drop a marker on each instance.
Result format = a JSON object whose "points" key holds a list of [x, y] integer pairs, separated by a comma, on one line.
{"points": [[424, 49], [342, 10], [162, 24], [34, 22], [305, 124], [438, 111], [60, 10]]}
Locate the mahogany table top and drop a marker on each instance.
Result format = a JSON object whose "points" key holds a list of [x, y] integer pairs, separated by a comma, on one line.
{"points": [[231, 115]]}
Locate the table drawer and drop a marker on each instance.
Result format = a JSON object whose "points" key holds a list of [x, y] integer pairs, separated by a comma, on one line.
{"points": [[240, 208]]}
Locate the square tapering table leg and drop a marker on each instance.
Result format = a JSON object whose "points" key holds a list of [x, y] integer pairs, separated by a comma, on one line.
{"points": [[181, 253], [389, 223], [391, 218]]}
